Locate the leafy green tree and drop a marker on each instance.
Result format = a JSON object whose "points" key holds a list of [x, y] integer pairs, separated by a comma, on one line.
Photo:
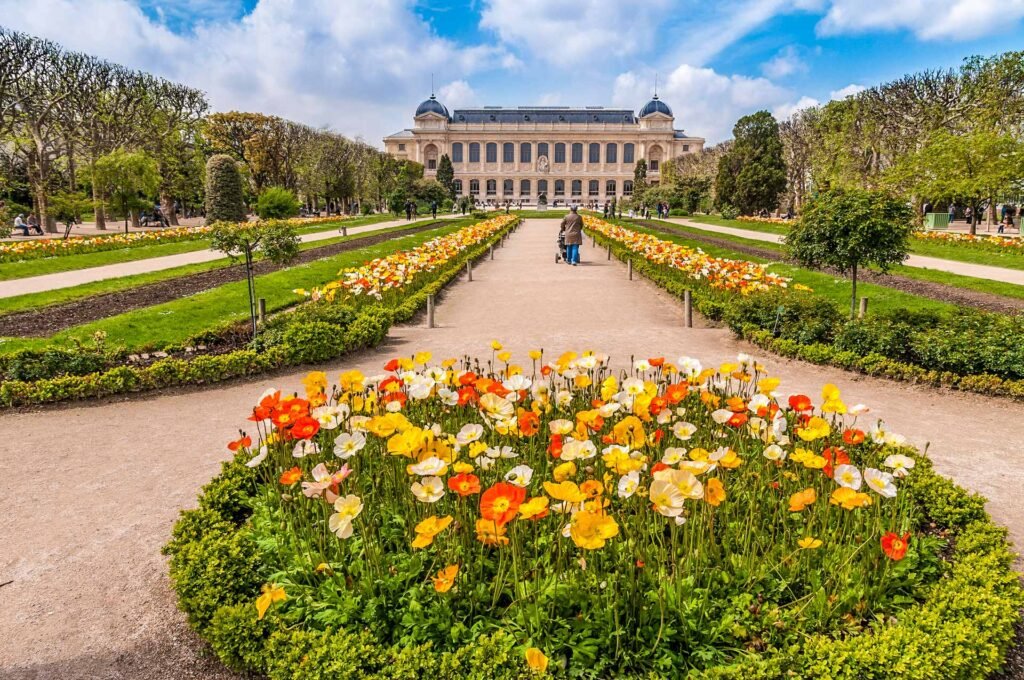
{"points": [[66, 206], [223, 190], [126, 177], [275, 240], [446, 175], [850, 228], [639, 181], [276, 203], [752, 175], [430, 191], [968, 167]]}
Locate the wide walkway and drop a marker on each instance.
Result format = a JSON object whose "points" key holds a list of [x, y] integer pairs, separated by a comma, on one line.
{"points": [[91, 491], [979, 271], [37, 284]]}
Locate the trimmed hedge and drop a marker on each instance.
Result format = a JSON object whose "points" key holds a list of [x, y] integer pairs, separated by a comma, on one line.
{"points": [[964, 626]]}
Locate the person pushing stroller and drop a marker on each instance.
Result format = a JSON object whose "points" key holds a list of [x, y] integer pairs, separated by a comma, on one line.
{"points": [[570, 233]]}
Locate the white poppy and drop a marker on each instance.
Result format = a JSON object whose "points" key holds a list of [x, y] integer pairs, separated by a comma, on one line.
{"points": [[848, 476], [880, 482], [673, 455], [258, 458], [428, 489], [901, 465], [469, 433], [684, 430], [428, 467], [774, 452], [574, 449], [348, 444], [520, 475], [628, 484], [517, 382], [304, 447], [346, 509]]}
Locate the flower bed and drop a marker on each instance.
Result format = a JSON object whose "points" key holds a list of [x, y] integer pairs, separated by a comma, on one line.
{"points": [[488, 520], [990, 243], [729, 275], [763, 220], [54, 247]]}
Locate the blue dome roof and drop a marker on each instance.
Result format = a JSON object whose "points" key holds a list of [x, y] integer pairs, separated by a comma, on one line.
{"points": [[432, 106], [655, 106]]}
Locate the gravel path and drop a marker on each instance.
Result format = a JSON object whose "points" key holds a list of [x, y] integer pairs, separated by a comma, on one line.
{"points": [[91, 491], [36, 284], [979, 271]]}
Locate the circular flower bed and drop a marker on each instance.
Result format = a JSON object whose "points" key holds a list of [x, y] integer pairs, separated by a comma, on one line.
{"points": [[487, 519]]}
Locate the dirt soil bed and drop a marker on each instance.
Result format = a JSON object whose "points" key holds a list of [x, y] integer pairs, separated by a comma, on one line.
{"points": [[965, 297], [46, 321]]}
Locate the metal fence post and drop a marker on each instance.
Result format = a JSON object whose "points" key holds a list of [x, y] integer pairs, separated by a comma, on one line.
{"points": [[469, 270], [863, 308], [687, 309], [629, 269], [261, 309], [609, 252], [430, 311]]}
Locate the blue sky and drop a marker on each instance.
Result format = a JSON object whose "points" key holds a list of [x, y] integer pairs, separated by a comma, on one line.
{"points": [[362, 66]]}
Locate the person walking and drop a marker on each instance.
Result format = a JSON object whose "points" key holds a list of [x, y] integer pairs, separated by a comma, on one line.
{"points": [[433, 209], [952, 213], [572, 231], [408, 210]]}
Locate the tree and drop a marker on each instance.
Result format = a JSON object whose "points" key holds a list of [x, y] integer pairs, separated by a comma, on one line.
{"points": [[752, 175], [223, 190], [66, 206], [275, 240], [126, 176], [277, 202], [850, 228], [430, 191], [639, 181], [446, 175]]}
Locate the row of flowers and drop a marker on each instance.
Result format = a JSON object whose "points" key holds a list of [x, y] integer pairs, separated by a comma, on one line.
{"points": [[990, 242], [54, 247], [671, 470], [763, 220], [389, 274], [721, 273]]}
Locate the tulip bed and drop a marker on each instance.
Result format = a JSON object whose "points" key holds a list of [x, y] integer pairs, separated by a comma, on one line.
{"points": [[990, 243], [488, 519]]}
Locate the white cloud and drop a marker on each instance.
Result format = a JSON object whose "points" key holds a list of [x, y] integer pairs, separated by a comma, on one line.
{"points": [[705, 103], [361, 69], [573, 32], [458, 94], [848, 91], [926, 19], [784, 111], [786, 62]]}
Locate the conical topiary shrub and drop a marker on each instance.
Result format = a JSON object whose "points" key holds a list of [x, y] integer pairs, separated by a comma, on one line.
{"points": [[223, 190]]}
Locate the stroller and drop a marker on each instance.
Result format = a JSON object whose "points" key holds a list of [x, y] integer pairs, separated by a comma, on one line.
{"points": [[560, 255]]}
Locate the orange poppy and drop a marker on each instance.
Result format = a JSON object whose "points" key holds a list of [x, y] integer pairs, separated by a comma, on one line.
{"points": [[895, 546], [467, 395], [464, 484], [467, 378], [266, 407], [657, 362], [501, 502], [289, 477], [658, 404], [242, 443], [305, 428], [555, 446], [529, 423], [834, 456], [853, 436], [288, 411], [391, 365], [676, 393], [737, 420], [545, 371], [800, 402], [400, 397], [389, 384], [801, 499]]}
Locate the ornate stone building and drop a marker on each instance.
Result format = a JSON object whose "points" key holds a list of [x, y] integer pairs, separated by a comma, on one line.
{"points": [[569, 155]]}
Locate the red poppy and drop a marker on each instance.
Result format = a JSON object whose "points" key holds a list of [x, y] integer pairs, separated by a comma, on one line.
{"points": [[464, 484], [400, 397], [658, 435], [529, 423], [305, 428], [676, 393], [266, 406], [289, 410], [596, 403], [657, 362], [834, 456], [555, 446], [658, 404], [737, 419], [391, 365], [658, 467], [853, 436], [242, 443], [467, 378], [289, 477], [386, 383], [895, 546], [545, 371], [467, 395], [501, 502], [800, 402]]}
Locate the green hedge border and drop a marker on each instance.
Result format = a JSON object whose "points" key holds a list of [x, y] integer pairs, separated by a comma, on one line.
{"points": [[963, 627], [369, 328], [712, 304]]}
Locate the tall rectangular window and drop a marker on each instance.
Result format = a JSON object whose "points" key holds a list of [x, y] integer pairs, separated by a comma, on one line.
{"points": [[506, 187], [577, 152], [653, 165], [457, 152], [542, 186], [525, 152], [594, 153], [627, 153], [611, 153], [559, 152], [474, 152], [609, 187], [524, 187], [508, 152], [577, 187], [542, 150], [492, 152], [593, 187]]}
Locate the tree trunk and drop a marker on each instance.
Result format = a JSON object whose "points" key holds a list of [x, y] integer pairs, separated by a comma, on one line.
{"points": [[72, 175], [135, 218], [251, 284], [974, 217], [853, 294], [167, 206]]}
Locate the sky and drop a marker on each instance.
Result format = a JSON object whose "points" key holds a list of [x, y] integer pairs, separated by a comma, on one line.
{"points": [[362, 66]]}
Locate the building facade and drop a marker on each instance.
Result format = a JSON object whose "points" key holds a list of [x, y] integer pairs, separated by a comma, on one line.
{"points": [[567, 155]]}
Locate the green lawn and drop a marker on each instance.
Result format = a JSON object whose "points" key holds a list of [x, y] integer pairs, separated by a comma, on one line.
{"points": [[174, 322], [64, 263]]}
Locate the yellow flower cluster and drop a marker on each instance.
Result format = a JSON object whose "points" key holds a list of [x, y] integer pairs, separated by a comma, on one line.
{"points": [[763, 220], [397, 270], [989, 241], [735, 275]]}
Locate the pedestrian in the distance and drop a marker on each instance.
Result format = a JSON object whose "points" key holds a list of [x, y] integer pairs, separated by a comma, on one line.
{"points": [[952, 213], [33, 224], [572, 231], [433, 209], [408, 210], [19, 223]]}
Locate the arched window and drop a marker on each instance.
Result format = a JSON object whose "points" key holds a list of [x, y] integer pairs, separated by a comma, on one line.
{"points": [[542, 186], [457, 152], [474, 153], [492, 152], [593, 188], [458, 187], [611, 153], [577, 187], [627, 188], [474, 184], [559, 184], [627, 153], [654, 154], [559, 152], [524, 187], [609, 188], [542, 149], [492, 187], [577, 152], [507, 187], [508, 152], [525, 152], [594, 153]]}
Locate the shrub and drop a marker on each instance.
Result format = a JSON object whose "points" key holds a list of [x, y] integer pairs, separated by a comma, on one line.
{"points": [[679, 212], [312, 342], [33, 364], [224, 199], [799, 316], [729, 212], [277, 203]]}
